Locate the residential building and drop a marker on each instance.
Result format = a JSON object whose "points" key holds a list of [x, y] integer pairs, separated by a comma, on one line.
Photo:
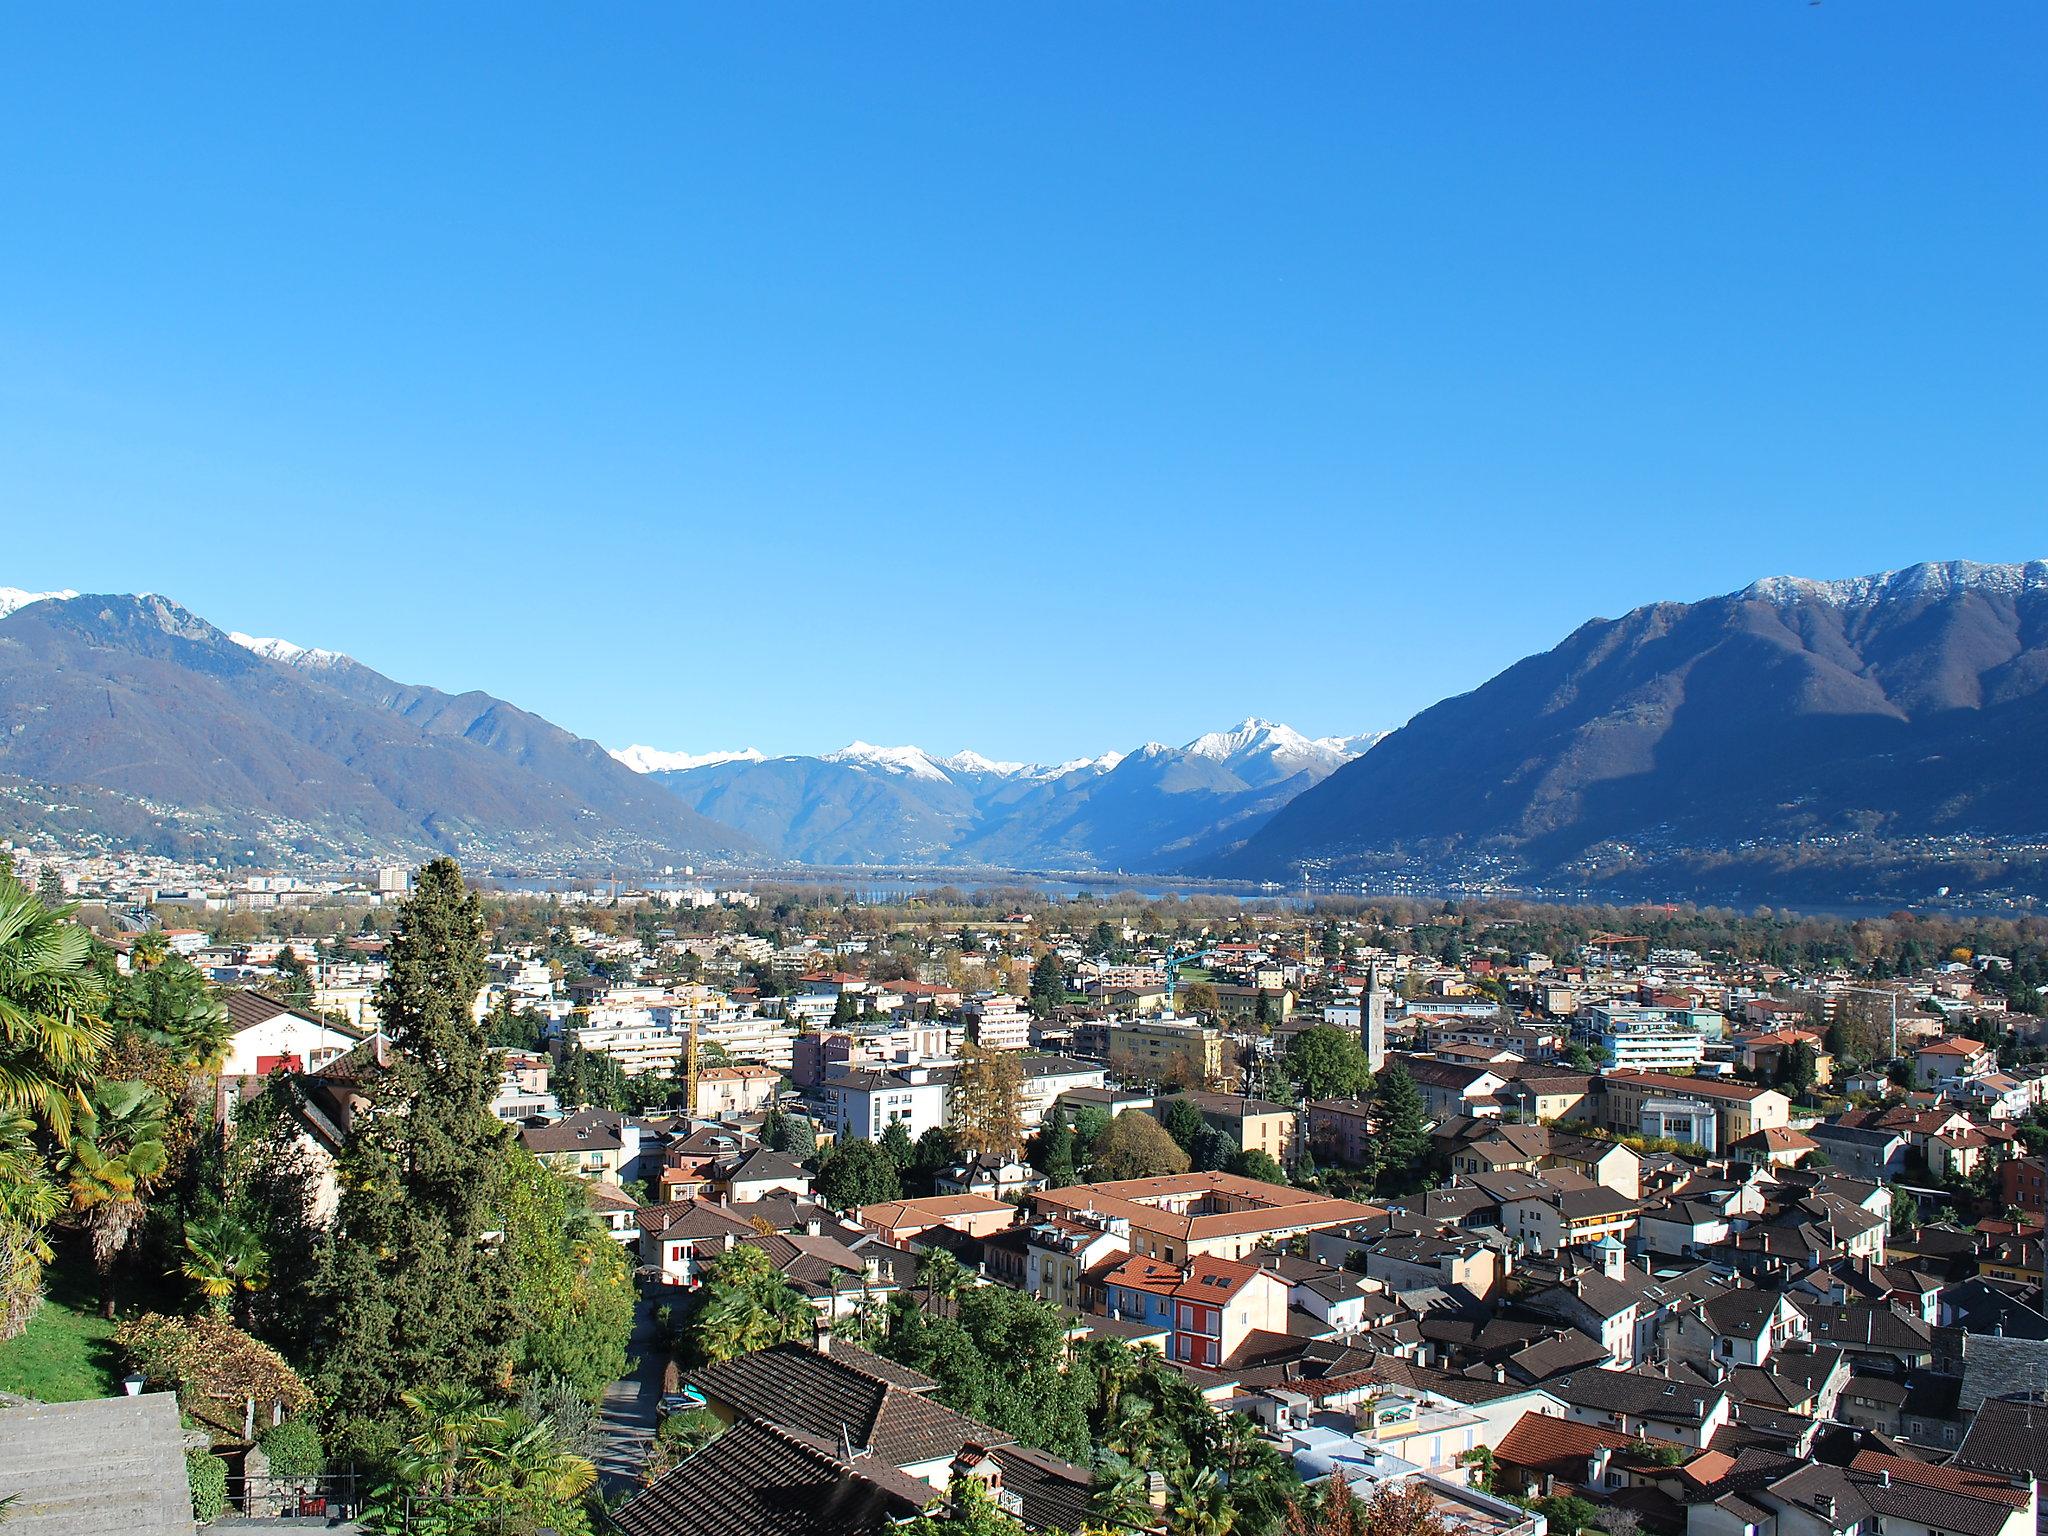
{"points": [[1210, 1305], [1216, 1215], [865, 1103], [730, 1091], [1166, 1050], [1642, 1039], [1656, 1104]]}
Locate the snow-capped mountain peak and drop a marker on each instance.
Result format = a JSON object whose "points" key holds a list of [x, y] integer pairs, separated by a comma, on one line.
{"points": [[970, 761], [653, 760], [1932, 578], [1253, 735], [284, 651], [12, 598], [914, 762], [1265, 749]]}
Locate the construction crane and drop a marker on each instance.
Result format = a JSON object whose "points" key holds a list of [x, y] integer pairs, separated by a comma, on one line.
{"points": [[1609, 940], [1174, 960], [690, 1070]]}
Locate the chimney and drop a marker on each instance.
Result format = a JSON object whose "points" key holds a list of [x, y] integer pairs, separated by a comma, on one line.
{"points": [[1884, 1477], [1824, 1504], [821, 1334]]}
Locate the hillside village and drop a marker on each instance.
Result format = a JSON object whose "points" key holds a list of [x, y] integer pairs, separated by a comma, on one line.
{"points": [[1180, 1216]]}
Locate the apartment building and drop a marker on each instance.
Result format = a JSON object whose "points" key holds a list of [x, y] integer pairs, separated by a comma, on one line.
{"points": [[1166, 1050]]}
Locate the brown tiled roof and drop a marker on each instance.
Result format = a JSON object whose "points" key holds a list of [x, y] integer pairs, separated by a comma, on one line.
{"points": [[1538, 1441]]}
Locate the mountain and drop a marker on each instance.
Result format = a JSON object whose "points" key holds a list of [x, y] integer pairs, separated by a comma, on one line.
{"points": [[1151, 809], [204, 736], [1864, 739]]}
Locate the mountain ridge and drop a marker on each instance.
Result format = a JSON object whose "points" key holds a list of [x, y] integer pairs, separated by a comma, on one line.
{"points": [[1828, 724]]}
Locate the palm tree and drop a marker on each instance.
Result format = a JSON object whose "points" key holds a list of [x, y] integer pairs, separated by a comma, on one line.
{"points": [[173, 1003], [223, 1255], [51, 1036], [116, 1153], [943, 1278], [1120, 1495], [148, 950], [29, 1200], [1200, 1506]]}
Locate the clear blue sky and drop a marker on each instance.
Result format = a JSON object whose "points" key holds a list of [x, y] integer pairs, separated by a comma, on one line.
{"points": [[1038, 378]]}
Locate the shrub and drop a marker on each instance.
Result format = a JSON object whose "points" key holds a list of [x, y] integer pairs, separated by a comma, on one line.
{"points": [[208, 1475], [294, 1449]]}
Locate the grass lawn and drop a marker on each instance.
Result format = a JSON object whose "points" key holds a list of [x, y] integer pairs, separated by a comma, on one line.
{"points": [[67, 1352]]}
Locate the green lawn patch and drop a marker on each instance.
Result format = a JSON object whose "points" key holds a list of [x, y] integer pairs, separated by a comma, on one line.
{"points": [[67, 1352]]}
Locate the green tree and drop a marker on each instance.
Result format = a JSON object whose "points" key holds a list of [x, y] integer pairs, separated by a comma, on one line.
{"points": [[1048, 985], [573, 1287], [114, 1158], [1135, 1146], [464, 1469], [857, 1173], [1400, 1125], [794, 1134], [1212, 1151], [223, 1256], [1798, 1068], [172, 1004], [1254, 1164], [743, 1305], [1052, 1150], [297, 980], [1326, 1062], [51, 1042], [1182, 1120], [896, 1142], [416, 1293]]}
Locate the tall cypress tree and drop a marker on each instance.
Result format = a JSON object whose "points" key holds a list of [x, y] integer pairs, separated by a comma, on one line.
{"points": [[413, 1294]]}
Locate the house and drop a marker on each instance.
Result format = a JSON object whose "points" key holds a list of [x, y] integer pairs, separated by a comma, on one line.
{"points": [[1256, 1125], [1454, 1088], [1211, 1306], [866, 1102], [1217, 1215], [1876, 1492], [591, 1143], [761, 1173], [756, 1479], [897, 1222], [613, 1209], [1689, 1412], [1861, 1151], [996, 1176], [267, 1035], [1167, 1050], [1059, 1253], [1951, 1060], [1340, 1131], [1702, 1110], [678, 1237], [724, 1093]]}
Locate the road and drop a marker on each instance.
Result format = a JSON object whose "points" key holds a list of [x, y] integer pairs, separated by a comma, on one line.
{"points": [[626, 1417]]}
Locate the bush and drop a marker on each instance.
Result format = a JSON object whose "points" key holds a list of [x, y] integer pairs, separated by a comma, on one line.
{"points": [[294, 1449], [208, 1475]]}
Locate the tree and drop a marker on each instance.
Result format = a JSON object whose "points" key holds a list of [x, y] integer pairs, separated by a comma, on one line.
{"points": [[49, 887], [1798, 1068], [1182, 1120], [793, 1134], [1326, 1062], [845, 1010], [970, 1511], [572, 1285], [223, 1255], [896, 1142], [1201, 997], [1212, 1151], [296, 978], [1135, 1146], [1395, 1509], [476, 1471], [1400, 1125], [1254, 1164], [857, 1173], [987, 1113], [1052, 1150], [173, 1005], [744, 1304], [115, 1155], [51, 1041], [1905, 1211], [1048, 985], [416, 1293]]}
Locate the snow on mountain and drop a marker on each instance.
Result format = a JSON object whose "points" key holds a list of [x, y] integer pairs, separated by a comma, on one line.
{"points": [[1266, 747], [1103, 764], [913, 762], [973, 762], [284, 651], [1930, 579], [653, 760], [12, 598]]}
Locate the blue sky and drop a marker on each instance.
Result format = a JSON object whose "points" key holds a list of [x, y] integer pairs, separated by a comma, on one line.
{"points": [[1037, 378]]}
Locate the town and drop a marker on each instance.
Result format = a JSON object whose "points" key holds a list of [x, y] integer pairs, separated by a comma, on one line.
{"points": [[784, 1210]]}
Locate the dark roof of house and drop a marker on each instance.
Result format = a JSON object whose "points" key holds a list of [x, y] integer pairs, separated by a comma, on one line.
{"points": [[759, 1479], [1651, 1397], [588, 1130], [795, 1387], [246, 1009], [1054, 1493], [2008, 1435]]}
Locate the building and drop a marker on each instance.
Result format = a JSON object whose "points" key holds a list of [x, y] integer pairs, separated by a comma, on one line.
{"points": [[1701, 1110], [1216, 1215], [1951, 1061], [1256, 1125], [1210, 1306], [866, 1102], [1643, 1039], [268, 1035], [724, 1092], [998, 1021], [1167, 1050], [592, 1144]]}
